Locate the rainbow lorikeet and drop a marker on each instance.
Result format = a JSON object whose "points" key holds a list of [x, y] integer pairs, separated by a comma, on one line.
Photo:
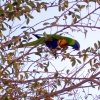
{"points": [[54, 42]]}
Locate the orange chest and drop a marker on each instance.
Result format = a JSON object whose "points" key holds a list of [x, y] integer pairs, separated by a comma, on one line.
{"points": [[62, 43]]}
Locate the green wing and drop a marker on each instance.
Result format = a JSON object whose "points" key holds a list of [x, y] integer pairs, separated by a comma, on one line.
{"points": [[70, 41]]}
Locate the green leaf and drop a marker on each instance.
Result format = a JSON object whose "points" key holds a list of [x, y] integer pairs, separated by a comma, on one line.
{"points": [[36, 84], [92, 49], [27, 21], [58, 82], [73, 59], [5, 83], [23, 27], [75, 20], [5, 98], [10, 6], [31, 3], [60, 1], [70, 13], [40, 65], [65, 16], [92, 85], [77, 10], [46, 69], [90, 62], [52, 92], [46, 23], [99, 87], [68, 55], [73, 63], [39, 50], [26, 8], [1, 34], [82, 6], [96, 46], [73, 15], [2, 12], [3, 28], [11, 16], [3, 58], [78, 6], [18, 16], [56, 17], [85, 32], [99, 44], [7, 25], [16, 66], [54, 85], [30, 16], [24, 95], [9, 59], [95, 60], [38, 9], [26, 75], [56, 74], [96, 65], [45, 7], [63, 8], [87, 50], [59, 8], [37, 53], [78, 16], [46, 64], [66, 4], [54, 23], [21, 77], [79, 61], [85, 57], [10, 90], [68, 71], [15, 3]]}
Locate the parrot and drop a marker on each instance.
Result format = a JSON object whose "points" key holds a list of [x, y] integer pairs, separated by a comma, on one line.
{"points": [[54, 41]]}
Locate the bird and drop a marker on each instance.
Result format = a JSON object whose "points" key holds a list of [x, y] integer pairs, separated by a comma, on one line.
{"points": [[54, 41]]}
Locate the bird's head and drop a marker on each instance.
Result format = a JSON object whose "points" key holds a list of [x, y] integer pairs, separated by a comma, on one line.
{"points": [[76, 46]]}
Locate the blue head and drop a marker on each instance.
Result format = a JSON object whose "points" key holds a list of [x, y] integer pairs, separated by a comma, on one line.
{"points": [[76, 46]]}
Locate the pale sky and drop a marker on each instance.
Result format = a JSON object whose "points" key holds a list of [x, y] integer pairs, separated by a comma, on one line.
{"points": [[91, 38]]}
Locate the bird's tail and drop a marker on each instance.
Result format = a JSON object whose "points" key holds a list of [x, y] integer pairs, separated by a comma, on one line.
{"points": [[27, 44], [34, 43], [36, 36]]}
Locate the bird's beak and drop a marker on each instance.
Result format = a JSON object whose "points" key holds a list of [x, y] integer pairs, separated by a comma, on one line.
{"points": [[78, 49]]}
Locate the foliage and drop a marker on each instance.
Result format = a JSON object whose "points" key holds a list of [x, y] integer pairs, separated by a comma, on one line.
{"points": [[30, 73]]}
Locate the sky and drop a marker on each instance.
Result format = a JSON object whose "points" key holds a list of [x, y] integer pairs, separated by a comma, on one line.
{"points": [[92, 37]]}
